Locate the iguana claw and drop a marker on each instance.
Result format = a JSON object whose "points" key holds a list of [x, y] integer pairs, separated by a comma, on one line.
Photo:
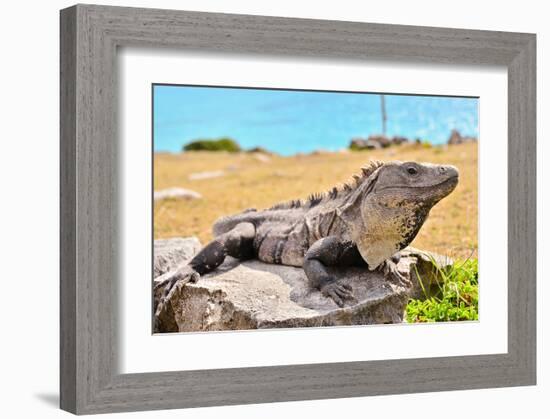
{"points": [[338, 292], [390, 270], [184, 275]]}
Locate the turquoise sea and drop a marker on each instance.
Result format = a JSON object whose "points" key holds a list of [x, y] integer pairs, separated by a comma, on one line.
{"points": [[289, 122]]}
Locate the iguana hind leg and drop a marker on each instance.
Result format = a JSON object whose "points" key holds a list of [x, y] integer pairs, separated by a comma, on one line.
{"points": [[236, 242], [330, 251]]}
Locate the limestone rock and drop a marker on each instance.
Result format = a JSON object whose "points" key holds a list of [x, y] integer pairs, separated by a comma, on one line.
{"points": [[457, 138], [255, 295], [169, 253], [398, 140], [375, 142]]}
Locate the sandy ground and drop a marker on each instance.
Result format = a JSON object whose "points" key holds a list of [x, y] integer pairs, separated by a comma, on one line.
{"points": [[256, 181]]}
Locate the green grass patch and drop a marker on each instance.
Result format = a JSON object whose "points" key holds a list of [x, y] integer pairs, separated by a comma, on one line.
{"points": [[455, 299]]}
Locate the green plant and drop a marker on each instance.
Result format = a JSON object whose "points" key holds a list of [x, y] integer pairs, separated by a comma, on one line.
{"points": [[456, 299], [206, 144]]}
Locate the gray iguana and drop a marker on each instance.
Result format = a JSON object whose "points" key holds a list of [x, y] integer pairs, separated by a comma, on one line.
{"points": [[362, 223]]}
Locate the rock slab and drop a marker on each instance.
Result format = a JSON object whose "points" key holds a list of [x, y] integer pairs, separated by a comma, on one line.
{"points": [[256, 295]]}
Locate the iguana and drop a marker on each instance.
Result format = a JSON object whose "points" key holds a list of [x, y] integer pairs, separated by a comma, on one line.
{"points": [[365, 222]]}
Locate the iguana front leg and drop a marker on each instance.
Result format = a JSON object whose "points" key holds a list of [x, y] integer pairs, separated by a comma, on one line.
{"points": [[329, 251], [236, 243]]}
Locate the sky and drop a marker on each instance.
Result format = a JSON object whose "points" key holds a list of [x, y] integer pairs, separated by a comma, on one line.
{"points": [[288, 122]]}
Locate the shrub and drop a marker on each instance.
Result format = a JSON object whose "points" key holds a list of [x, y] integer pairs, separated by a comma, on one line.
{"points": [[456, 299], [220, 144], [355, 147]]}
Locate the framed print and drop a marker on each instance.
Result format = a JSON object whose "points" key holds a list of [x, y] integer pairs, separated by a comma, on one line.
{"points": [[295, 200]]}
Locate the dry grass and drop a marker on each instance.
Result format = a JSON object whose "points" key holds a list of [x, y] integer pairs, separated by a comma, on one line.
{"points": [[250, 183]]}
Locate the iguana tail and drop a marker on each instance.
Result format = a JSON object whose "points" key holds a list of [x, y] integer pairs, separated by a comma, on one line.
{"points": [[227, 223]]}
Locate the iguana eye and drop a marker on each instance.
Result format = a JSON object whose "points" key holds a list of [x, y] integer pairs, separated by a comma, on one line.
{"points": [[412, 171]]}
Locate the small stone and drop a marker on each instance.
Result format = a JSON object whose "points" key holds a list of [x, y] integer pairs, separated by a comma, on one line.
{"points": [[206, 175], [176, 193], [263, 158]]}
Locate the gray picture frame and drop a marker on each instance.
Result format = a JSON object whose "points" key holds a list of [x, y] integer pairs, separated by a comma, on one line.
{"points": [[90, 36]]}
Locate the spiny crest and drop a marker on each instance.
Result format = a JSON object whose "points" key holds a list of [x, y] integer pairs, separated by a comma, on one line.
{"points": [[336, 192], [295, 203]]}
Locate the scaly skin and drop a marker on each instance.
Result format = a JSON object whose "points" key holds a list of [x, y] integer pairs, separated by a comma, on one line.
{"points": [[365, 223]]}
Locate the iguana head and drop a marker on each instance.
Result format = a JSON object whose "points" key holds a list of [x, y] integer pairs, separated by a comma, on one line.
{"points": [[389, 207]]}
